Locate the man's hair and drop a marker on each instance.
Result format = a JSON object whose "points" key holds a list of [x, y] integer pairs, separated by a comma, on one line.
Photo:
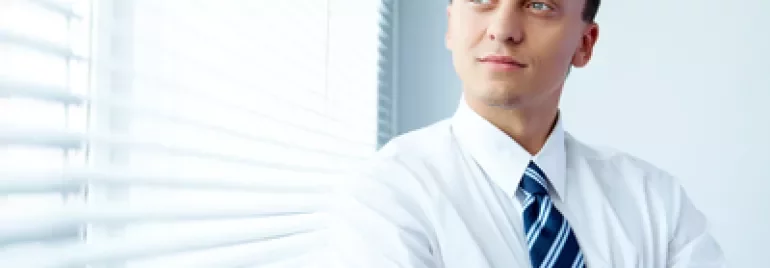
{"points": [[589, 10]]}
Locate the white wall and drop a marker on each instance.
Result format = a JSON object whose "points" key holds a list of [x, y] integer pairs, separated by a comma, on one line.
{"points": [[428, 88], [682, 84]]}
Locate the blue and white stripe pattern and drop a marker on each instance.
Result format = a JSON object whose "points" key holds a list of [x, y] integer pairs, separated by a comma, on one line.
{"points": [[550, 239]]}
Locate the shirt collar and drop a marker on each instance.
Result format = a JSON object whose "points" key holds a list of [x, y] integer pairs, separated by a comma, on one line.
{"points": [[502, 159]]}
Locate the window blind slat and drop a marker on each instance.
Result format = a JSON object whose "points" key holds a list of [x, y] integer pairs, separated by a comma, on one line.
{"points": [[143, 108], [383, 111], [41, 92], [71, 180], [60, 95], [20, 184], [385, 101], [23, 234], [55, 139], [39, 45], [58, 7], [386, 8], [146, 111], [128, 248], [69, 140], [273, 254], [39, 228]]}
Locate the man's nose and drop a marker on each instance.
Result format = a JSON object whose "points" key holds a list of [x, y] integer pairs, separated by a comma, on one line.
{"points": [[506, 27]]}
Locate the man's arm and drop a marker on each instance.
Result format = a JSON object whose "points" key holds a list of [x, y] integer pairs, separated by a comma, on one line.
{"points": [[691, 245], [378, 219]]}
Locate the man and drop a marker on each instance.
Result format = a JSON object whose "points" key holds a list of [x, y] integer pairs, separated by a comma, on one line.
{"points": [[501, 184]]}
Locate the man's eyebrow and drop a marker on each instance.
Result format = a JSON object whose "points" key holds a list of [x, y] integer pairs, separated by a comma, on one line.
{"points": [[559, 2]]}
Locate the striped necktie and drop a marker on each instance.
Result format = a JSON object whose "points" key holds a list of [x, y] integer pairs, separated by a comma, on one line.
{"points": [[550, 239]]}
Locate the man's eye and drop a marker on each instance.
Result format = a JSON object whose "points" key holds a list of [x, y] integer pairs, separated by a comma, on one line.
{"points": [[539, 6], [481, 2]]}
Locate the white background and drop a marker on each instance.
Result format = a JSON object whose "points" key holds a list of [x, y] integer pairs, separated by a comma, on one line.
{"points": [[682, 84]]}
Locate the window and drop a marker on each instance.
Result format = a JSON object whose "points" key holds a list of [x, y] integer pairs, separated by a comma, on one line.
{"points": [[44, 72], [176, 133]]}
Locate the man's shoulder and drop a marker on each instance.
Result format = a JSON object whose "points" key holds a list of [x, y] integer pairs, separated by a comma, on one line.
{"points": [[614, 165], [606, 155], [423, 144], [403, 168], [419, 156]]}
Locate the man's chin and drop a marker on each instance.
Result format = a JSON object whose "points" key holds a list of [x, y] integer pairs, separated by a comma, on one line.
{"points": [[506, 103], [507, 99]]}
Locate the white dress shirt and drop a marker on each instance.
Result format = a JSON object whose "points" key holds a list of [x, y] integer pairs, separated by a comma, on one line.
{"points": [[447, 196]]}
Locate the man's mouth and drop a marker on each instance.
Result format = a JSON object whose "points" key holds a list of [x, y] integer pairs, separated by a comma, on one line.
{"points": [[500, 59], [502, 63]]}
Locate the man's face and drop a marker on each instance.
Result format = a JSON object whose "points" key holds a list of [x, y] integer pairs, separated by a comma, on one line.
{"points": [[511, 52]]}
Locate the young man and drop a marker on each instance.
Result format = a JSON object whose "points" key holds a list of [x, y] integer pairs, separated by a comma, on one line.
{"points": [[501, 183]]}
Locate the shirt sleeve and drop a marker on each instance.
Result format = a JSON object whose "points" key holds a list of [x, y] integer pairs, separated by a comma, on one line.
{"points": [[378, 218], [691, 245]]}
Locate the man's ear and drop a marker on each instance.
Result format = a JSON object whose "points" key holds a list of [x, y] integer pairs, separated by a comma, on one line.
{"points": [[447, 36], [586, 49]]}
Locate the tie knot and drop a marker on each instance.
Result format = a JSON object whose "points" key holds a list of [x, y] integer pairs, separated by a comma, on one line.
{"points": [[533, 181]]}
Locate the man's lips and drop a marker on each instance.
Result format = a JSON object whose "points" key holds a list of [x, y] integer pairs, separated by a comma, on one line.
{"points": [[504, 60]]}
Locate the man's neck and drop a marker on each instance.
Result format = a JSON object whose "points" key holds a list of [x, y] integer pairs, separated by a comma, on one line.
{"points": [[529, 126]]}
